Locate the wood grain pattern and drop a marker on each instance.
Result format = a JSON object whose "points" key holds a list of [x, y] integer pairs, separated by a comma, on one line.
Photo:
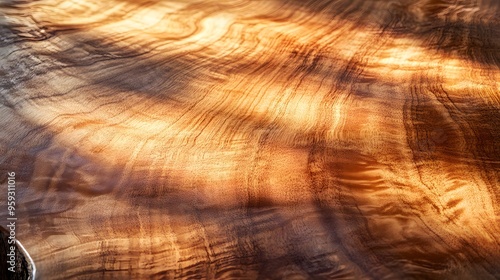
{"points": [[244, 139]]}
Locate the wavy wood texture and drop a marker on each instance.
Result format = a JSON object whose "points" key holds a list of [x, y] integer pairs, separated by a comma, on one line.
{"points": [[236, 139]]}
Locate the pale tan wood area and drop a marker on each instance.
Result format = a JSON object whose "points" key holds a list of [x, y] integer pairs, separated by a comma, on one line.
{"points": [[273, 139]]}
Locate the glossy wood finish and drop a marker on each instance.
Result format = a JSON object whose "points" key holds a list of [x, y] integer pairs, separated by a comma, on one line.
{"points": [[254, 139]]}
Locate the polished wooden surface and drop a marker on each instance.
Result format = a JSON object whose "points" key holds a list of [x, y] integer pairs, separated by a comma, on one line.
{"points": [[342, 139]]}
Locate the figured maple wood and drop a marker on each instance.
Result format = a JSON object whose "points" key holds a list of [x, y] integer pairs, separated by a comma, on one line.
{"points": [[241, 139]]}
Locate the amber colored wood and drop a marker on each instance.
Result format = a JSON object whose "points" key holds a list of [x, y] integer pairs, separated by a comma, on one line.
{"points": [[238, 139]]}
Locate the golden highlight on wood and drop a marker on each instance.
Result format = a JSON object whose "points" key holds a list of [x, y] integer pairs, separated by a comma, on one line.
{"points": [[244, 139]]}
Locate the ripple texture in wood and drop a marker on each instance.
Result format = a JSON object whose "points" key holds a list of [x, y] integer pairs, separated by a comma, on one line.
{"points": [[237, 139]]}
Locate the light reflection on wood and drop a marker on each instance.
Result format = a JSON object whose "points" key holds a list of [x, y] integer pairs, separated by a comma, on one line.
{"points": [[254, 139]]}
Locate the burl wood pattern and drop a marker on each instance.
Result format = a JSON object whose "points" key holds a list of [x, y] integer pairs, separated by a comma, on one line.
{"points": [[237, 139]]}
